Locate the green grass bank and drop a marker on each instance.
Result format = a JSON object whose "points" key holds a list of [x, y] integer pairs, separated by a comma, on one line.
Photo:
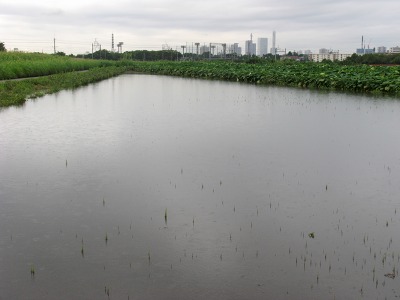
{"points": [[15, 65], [16, 92]]}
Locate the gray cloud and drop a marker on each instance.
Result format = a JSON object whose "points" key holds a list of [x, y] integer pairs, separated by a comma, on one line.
{"points": [[299, 24]]}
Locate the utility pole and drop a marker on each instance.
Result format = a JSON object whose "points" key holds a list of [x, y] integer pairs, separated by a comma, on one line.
{"points": [[54, 44]]}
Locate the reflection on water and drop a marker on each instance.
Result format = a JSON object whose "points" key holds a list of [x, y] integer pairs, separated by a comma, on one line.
{"points": [[149, 187]]}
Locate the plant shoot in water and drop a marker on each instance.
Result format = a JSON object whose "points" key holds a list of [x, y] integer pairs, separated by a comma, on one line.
{"points": [[32, 270]]}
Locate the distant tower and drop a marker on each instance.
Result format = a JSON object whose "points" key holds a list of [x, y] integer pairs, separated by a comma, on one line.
{"points": [[250, 47], [262, 46], [273, 52], [119, 45], [112, 42]]}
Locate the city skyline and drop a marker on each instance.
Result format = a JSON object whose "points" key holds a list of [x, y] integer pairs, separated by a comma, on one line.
{"points": [[306, 25]]}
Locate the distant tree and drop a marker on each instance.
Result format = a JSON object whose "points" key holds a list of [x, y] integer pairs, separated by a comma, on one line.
{"points": [[60, 53], [327, 61], [373, 59], [2, 47], [271, 57], [395, 59]]}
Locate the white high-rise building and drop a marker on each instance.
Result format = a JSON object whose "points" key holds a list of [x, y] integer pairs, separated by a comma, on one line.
{"points": [[262, 46], [250, 48], [235, 49], [273, 49]]}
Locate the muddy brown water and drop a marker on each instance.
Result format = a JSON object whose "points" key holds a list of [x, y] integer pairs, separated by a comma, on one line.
{"points": [[153, 187]]}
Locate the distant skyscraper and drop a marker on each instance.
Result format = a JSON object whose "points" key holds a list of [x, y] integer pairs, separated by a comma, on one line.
{"points": [[273, 49], [262, 46], [250, 47], [234, 48]]}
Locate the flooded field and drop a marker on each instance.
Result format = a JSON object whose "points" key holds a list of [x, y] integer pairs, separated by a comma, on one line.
{"points": [[152, 187]]}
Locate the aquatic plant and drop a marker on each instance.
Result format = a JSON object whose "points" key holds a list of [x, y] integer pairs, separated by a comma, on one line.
{"points": [[32, 270], [355, 78]]}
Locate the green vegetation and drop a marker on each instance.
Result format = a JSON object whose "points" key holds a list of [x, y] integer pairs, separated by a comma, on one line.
{"points": [[142, 55], [15, 92], [327, 76], [2, 47], [374, 59], [21, 65]]}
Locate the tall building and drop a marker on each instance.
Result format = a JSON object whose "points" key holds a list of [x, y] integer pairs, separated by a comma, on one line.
{"points": [[235, 49], [250, 48], [323, 51], [262, 46], [381, 49], [273, 49]]}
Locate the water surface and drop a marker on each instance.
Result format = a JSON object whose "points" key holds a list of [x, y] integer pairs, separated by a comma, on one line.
{"points": [[153, 187]]}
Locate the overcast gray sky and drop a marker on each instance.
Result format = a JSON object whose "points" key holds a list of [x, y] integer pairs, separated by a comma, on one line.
{"points": [[147, 24]]}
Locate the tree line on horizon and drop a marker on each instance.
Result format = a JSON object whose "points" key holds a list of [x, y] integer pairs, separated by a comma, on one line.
{"points": [[173, 55]]}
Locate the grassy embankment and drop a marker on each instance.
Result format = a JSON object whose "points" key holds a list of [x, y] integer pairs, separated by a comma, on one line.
{"points": [[57, 73]]}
